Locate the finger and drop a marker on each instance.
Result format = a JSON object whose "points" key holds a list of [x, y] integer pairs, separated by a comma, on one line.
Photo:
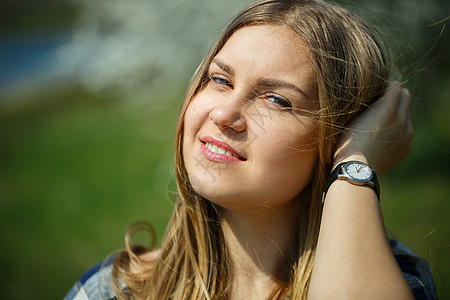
{"points": [[409, 134], [390, 98], [410, 126], [404, 103]]}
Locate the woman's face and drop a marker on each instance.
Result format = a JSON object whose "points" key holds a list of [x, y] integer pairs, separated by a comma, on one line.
{"points": [[246, 142]]}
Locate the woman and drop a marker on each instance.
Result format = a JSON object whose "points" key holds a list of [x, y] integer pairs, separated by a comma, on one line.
{"points": [[285, 96]]}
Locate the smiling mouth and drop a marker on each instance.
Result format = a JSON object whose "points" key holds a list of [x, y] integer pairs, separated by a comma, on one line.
{"points": [[221, 149], [215, 149]]}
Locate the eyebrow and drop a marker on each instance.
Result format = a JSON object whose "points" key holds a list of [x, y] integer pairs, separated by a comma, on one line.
{"points": [[272, 82], [223, 66], [265, 82]]}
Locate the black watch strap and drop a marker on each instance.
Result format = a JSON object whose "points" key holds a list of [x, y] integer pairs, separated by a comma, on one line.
{"points": [[333, 176], [338, 170]]}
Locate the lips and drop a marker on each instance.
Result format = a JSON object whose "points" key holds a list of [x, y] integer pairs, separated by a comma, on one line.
{"points": [[219, 151]]}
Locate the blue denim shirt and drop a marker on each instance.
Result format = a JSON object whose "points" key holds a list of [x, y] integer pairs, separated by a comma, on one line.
{"points": [[416, 271], [95, 284]]}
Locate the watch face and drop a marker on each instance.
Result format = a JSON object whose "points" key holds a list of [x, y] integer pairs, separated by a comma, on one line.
{"points": [[358, 171]]}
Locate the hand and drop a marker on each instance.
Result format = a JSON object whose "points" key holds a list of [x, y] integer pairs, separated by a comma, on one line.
{"points": [[381, 135]]}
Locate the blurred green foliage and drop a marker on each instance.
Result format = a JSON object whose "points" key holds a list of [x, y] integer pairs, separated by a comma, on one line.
{"points": [[20, 16], [78, 168], [75, 173]]}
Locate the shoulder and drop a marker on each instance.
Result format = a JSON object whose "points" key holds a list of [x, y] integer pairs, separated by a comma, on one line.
{"points": [[94, 283], [416, 271]]}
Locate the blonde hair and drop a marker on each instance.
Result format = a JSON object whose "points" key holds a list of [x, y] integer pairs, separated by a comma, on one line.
{"points": [[351, 72]]}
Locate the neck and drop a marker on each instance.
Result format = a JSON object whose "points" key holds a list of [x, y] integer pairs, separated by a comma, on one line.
{"points": [[261, 246]]}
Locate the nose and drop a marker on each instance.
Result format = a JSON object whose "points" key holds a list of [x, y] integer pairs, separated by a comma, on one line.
{"points": [[229, 114]]}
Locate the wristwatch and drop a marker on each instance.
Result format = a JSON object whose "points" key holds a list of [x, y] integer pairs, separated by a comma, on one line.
{"points": [[354, 172]]}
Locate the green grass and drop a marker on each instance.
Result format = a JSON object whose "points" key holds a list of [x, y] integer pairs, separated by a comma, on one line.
{"points": [[75, 174], [76, 171], [416, 213]]}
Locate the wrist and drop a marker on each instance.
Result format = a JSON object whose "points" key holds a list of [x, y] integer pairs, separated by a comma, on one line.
{"points": [[355, 172], [349, 157]]}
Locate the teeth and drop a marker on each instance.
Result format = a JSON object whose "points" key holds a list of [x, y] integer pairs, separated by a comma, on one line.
{"points": [[219, 150]]}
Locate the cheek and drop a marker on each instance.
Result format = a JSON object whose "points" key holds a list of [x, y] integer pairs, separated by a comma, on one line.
{"points": [[194, 117], [197, 111], [294, 160], [297, 174]]}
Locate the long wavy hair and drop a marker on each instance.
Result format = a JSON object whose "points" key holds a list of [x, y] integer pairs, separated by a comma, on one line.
{"points": [[351, 70]]}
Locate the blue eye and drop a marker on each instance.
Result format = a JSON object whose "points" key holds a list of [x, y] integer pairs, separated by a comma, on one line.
{"points": [[278, 100], [220, 80]]}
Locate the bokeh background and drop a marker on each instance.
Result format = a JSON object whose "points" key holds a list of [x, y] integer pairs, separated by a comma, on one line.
{"points": [[89, 94]]}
